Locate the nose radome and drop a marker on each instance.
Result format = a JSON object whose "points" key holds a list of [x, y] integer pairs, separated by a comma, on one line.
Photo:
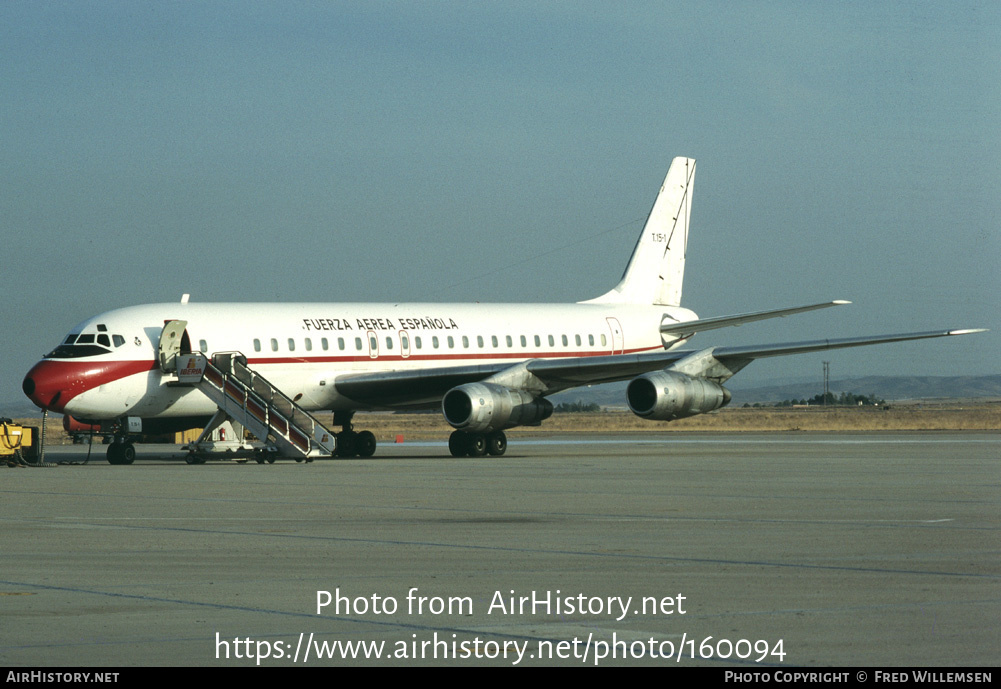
{"points": [[44, 385]]}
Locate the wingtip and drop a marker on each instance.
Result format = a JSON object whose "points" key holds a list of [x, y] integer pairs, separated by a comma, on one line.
{"points": [[968, 331], [840, 302]]}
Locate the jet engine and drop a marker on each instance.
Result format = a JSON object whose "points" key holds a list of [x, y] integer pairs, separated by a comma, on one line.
{"points": [[667, 395], [484, 407]]}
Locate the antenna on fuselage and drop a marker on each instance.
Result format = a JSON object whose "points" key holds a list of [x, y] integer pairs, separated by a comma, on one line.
{"points": [[185, 297]]}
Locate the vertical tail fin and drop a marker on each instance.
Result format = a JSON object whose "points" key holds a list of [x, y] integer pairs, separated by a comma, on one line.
{"points": [[657, 267]]}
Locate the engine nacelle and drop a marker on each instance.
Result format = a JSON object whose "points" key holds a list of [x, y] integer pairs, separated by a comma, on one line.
{"points": [[667, 395], [484, 407]]}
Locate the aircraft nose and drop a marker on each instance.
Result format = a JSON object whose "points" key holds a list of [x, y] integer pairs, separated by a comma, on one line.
{"points": [[46, 384]]}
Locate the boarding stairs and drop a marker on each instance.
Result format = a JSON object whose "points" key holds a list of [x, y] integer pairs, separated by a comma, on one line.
{"points": [[246, 398]]}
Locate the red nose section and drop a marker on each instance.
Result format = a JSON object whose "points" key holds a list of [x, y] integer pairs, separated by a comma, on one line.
{"points": [[52, 384]]}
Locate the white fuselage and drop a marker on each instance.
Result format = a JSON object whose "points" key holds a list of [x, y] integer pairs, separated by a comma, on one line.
{"points": [[303, 348]]}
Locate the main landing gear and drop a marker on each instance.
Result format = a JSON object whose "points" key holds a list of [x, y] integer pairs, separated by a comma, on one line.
{"points": [[351, 443], [463, 444]]}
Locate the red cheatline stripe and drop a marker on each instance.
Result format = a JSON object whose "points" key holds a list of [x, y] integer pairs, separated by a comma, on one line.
{"points": [[521, 356], [70, 378]]}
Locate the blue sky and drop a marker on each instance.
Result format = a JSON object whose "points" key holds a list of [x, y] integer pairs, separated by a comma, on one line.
{"points": [[456, 151]]}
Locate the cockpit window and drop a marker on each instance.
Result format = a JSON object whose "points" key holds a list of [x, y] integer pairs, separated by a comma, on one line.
{"points": [[76, 345], [75, 351]]}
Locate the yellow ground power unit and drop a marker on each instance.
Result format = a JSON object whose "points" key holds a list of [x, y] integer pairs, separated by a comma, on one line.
{"points": [[18, 441]]}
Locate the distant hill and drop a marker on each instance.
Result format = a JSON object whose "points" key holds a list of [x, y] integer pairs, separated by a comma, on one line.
{"points": [[886, 387], [14, 410]]}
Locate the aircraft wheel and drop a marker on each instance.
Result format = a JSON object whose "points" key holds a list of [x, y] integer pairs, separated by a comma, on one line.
{"points": [[115, 453], [271, 457], [345, 444], [128, 453], [477, 444], [457, 444], [497, 443], [365, 444], [192, 458]]}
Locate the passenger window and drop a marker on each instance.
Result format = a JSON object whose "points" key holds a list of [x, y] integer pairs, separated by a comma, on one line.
{"points": [[603, 341], [451, 342], [493, 341], [274, 345], [373, 343], [465, 342], [565, 341], [434, 341], [340, 343], [389, 342], [507, 338], [551, 341], [479, 341], [590, 340], [324, 345], [291, 345], [358, 343], [417, 341], [538, 341], [257, 345], [577, 339], [524, 342], [309, 345], [404, 342]]}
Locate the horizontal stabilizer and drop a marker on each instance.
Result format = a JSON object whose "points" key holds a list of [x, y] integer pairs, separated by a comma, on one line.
{"points": [[688, 327]]}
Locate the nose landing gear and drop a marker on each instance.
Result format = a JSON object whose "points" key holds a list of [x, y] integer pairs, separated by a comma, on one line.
{"points": [[121, 451]]}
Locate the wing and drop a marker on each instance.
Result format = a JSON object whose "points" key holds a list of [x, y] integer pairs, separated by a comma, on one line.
{"points": [[546, 376], [566, 373], [420, 388]]}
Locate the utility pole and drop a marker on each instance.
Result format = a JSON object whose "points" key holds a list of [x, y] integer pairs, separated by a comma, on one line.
{"points": [[827, 380]]}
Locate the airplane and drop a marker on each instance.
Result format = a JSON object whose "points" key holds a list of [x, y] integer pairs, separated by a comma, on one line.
{"points": [[488, 367]]}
